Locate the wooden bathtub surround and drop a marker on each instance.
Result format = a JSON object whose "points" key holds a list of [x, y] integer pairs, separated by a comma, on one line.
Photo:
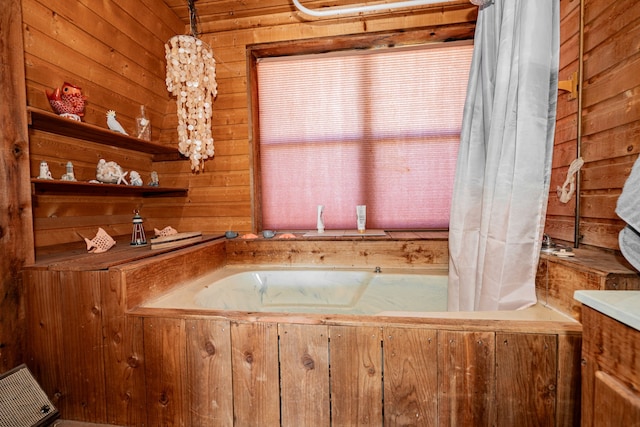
{"points": [[82, 346], [558, 278], [404, 250], [103, 358]]}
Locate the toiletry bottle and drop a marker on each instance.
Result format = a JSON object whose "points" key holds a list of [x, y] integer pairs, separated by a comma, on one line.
{"points": [[320, 219], [361, 215], [143, 125]]}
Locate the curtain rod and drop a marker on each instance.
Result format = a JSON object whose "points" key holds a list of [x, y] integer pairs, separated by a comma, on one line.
{"points": [[337, 10]]}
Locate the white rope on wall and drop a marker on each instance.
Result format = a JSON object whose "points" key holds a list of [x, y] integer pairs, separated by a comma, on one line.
{"points": [[569, 187]]}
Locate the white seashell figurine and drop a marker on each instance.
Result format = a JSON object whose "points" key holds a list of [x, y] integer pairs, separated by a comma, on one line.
{"points": [[102, 242], [110, 172]]}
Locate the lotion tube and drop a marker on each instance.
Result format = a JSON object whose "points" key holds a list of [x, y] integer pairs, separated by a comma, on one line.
{"points": [[361, 214], [320, 222]]}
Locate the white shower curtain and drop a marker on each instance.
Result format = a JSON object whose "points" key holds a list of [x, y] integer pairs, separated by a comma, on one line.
{"points": [[504, 161]]}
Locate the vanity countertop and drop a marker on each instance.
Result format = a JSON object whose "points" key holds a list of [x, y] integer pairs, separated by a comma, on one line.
{"points": [[623, 306]]}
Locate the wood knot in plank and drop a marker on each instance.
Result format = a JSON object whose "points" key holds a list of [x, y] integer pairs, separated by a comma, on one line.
{"points": [[164, 399], [210, 348], [18, 149], [117, 338], [132, 361], [308, 363]]}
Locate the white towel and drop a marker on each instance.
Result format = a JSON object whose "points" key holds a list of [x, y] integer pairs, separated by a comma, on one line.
{"points": [[628, 208]]}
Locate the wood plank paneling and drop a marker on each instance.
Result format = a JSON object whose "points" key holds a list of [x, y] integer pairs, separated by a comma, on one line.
{"points": [[410, 376], [148, 366], [560, 220], [209, 372], [610, 118], [610, 371], [144, 278], [613, 397], [45, 351], [165, 358], [568, 380], [610, 113], [344, 253], [356, 380], [526, 379], [122, 62], [106, 40], [83, 341], [467, 369], [115, 52], [65, 340], [16, 227], [304, 354], [123, 353], [231, 27], [256, 387], [613, 347], [557, 279]]}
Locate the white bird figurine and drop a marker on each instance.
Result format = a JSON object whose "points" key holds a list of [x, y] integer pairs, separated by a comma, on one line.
{"points": [[113, 124]]}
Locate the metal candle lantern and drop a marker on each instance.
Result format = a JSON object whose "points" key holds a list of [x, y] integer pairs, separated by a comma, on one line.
{"points": [[137, 235]]}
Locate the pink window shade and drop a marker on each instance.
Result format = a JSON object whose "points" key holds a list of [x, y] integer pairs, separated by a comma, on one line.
{"points": [[379, 128]]}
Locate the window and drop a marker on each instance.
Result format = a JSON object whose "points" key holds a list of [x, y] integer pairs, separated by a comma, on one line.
{"points": [[378, 127]]}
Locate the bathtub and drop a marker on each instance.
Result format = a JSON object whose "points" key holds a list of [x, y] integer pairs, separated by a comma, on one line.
{"points": [[297, 343], [392, 292], [312, 290]]}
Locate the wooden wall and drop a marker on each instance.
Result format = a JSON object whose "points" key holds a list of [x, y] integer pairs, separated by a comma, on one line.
{"points": [[15, 206], [221, 198], [115, 52], [560, 216], [606, 131], [610, 116]]}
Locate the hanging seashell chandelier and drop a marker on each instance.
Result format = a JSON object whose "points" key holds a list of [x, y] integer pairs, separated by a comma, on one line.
{"points": [[191, 78]]}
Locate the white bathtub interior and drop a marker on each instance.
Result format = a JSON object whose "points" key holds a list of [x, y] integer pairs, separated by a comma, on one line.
{"points": [[312, 290], [411, 293]]}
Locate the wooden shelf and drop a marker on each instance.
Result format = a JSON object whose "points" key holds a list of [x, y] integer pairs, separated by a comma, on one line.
{"points": [[49, 122], [73, 256], [55, 187]]}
